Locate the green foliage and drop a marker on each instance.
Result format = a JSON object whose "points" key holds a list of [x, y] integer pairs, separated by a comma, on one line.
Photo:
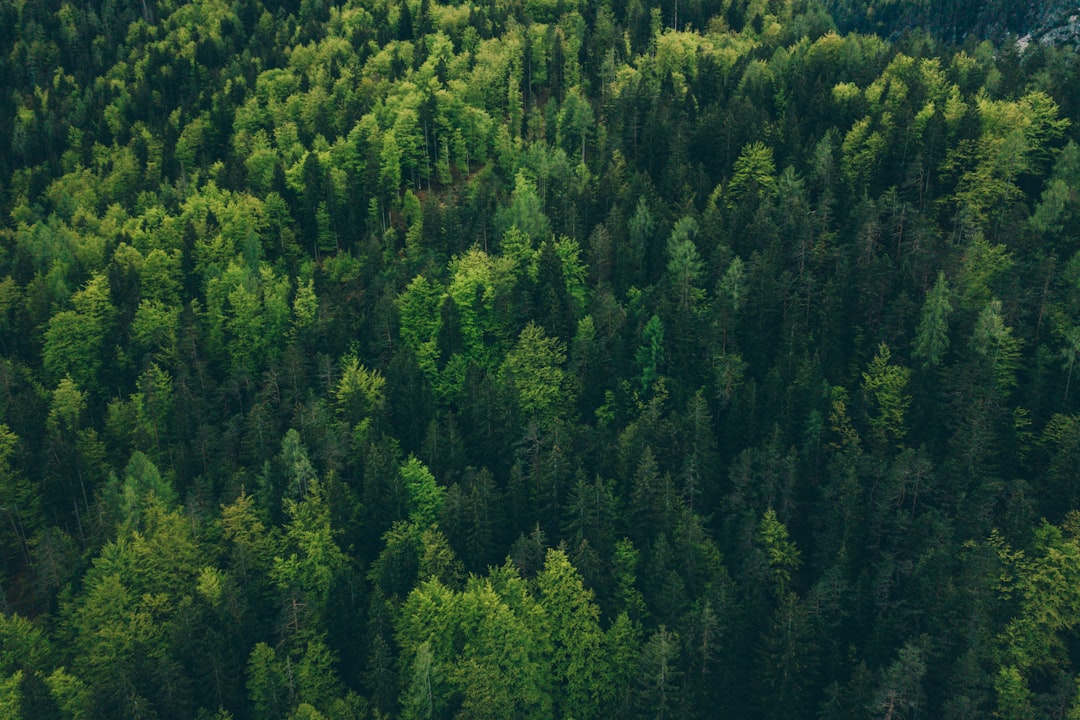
{"points": [[266, 682], [249, 314], [579, 663], [420, 699], [24, 645], [305, 305], [419, 308], [534, 368], [650, 356], [136, 595], [480, 284], [311, 561], [684, 264], [781, 554], [639, 284], [75, 339], [658, 684], [932, 335], [524, 212], [754, 175], [901, 690], [299, 473], [141, 487], [425, 496], [485, 648], [994, 341], [786, 657], [11, 701], [884, 385], [360, 392]]}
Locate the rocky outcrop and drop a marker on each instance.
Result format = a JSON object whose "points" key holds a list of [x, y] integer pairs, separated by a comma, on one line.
{"points": [[1058, 26]]}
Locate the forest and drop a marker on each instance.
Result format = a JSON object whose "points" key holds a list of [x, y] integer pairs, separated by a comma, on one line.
{"points": [[538, 359]]}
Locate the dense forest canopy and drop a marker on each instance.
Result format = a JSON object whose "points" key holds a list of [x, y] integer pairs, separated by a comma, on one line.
{"points": [[538, 359]]}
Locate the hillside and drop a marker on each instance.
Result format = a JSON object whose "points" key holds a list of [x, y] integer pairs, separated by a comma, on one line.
{"points": [[538, 359]]}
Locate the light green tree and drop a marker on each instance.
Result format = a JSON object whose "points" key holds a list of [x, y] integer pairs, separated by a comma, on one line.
{"points": [[525, 211], [134, 599], [75, 339], [390, 165], [884, 385], [754, 173], [142, 486], [579, 665], [360, 392], [781, 555], [425, 495], [267, 683], [684, 263], [311, 561], [534, 368], [248, 311], [575, 123], [11, 695], [993, 340]]}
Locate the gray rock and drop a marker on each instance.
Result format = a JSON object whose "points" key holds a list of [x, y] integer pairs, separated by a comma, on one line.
{"points": [[1056, 24]]}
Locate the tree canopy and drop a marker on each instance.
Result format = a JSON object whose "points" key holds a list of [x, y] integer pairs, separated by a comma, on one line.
{"points": [[539, 358]]}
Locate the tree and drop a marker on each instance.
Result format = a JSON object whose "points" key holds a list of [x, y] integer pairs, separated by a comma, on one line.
{"points": [[425, 496], [628, 599], [575, 122], [360, 392], [994, 342], [248, 543], [534, 369], [485, 646], [590, 513], [932, 335], [419, 699], [480, 285], [437, 559], [654, 500], [298, 470], [579, 666], [390, 165], [266, 682], [684, 264], [884, 385], [249, 314], [782, 556], [75, 339], [658, 690], [901, 694], [141, 487], [471, 517], [26, 661], [525, 212], [419, 308], [650, 355], [700, 466], [414, 235], [311, 561], [21, 509], [135, 597], [641, 227], [754, 174], [1046, 614], [787, 660], [554, 306], [11, 701]]}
